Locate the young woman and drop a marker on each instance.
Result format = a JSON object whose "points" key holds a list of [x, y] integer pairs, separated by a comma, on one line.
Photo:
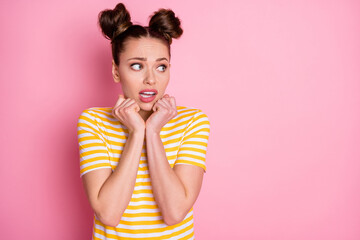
{"points": [[142, 161]]}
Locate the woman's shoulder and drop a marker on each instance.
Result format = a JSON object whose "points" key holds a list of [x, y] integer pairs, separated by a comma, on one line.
{"points": [[98, 113], [189, 110], [191, 114]]}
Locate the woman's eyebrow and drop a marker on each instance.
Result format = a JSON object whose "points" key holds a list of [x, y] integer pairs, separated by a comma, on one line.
{"points": [[144, 59]]}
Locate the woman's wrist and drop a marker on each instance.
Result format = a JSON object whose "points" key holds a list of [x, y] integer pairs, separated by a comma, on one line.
{"points": [[137, 133], [150, 131]]}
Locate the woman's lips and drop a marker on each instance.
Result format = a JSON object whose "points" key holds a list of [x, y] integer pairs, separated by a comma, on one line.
{"points": [[148, 95]]}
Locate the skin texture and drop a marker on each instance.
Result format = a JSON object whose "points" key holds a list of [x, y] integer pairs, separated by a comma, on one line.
{"points": [[175, 189]]}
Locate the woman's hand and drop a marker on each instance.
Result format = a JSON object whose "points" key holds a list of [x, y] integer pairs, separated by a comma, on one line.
{"points": [[164, 110], [127, 112]]}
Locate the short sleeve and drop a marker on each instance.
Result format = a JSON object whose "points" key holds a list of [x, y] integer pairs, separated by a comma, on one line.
{"points": [[93, 151], [193, 146]]}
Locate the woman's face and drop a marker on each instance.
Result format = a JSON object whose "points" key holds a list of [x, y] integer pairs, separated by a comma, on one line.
{"points": [[144, 65]]}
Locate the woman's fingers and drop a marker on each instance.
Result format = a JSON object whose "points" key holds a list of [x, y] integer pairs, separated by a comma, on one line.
{"points": [[171, 100], [124, 102], [128, 103], [134, 105], [165, 102], [119, 101], [156, 106]]}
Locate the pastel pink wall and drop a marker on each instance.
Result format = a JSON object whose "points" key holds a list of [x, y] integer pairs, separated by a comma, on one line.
{"points": [[279, 80]]}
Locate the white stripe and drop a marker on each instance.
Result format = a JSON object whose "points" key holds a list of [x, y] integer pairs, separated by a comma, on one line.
{"points": [[86, 134], [118, 132], [192, 153], [171, 145], [141, 195], [189, 159], [83, 142], [142, 187], [144, 210], [142, 179], [93, 132], [172, 137], [117, 140], [114, 163], [143, 165], [143, 172], [188, 232], [183, 112], [195, 139], [177, 122], [141, 203], [101, 236], [197, 129], [171, 153], [93, 170]]}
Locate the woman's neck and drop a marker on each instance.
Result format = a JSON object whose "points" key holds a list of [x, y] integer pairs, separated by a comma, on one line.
{"points": [[145, 114]]}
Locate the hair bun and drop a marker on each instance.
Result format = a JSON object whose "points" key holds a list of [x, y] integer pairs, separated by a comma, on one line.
{"points": [[115, 21], [165, 22]]}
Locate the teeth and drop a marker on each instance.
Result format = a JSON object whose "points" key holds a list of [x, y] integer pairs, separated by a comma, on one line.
{"points": [[149, 93], [145, 96]]}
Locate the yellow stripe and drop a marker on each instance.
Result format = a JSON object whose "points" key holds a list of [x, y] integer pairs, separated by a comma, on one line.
{"points": [[92, 144], [142, 191], [175, 140], [83, 162], [143, 176], [197, 135], [142, 214], [86, 138], [137, 184], [142, 207], [149, 199], [171, 149], [192, 163]]}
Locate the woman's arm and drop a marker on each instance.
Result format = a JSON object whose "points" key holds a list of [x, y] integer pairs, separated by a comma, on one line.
{"points": [[109, 193], [175, 189]]}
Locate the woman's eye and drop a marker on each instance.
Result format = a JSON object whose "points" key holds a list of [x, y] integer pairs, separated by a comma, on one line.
{"points": [[136, 66], [162, 68]]}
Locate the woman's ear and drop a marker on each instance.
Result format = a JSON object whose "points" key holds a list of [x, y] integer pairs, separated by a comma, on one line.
{"points": [[115, 72]]}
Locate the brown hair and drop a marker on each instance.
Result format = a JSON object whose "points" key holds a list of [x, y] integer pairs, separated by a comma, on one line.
{"points": [[116, 25]]}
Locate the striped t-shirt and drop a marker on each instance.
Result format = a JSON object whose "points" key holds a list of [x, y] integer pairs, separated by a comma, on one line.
{"points": [[101, 139]]}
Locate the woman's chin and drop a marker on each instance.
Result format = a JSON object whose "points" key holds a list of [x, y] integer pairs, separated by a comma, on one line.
{"points": [[146, 106]]}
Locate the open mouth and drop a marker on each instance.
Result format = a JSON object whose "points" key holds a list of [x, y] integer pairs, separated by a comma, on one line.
{"points": [[148, 95]]}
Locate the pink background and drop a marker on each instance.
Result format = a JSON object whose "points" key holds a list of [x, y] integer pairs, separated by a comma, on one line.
{"points": [[279, 80]]}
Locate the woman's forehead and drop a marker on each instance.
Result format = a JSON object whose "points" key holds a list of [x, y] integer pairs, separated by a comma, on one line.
{"points": [[151, 48]]}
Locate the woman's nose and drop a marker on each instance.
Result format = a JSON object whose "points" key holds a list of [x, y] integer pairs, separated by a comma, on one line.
{"points": [[149, 77]]}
